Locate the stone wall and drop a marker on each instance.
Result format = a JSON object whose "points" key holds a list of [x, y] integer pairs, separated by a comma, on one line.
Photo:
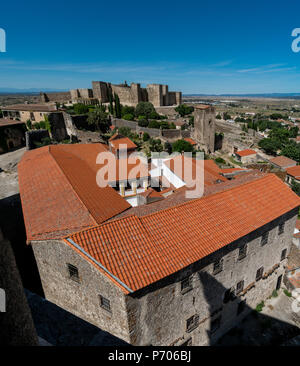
{"points": [[16, 325], [204, 128], [165, 135], [157, 94], [35, 136], [60, 97], [81, 299], [57, 126], [158, 314]]}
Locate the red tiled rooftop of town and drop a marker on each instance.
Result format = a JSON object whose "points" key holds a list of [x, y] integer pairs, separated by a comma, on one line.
{"points": [[59, 192], [246, 152], [282, 161], [141, 251], [294, 171], [31, 107], [123, 141], [10, 122]]}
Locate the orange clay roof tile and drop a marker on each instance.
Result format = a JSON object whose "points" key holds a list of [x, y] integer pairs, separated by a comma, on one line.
{"points": [[59, 192], [141, 251], [246, 152]]}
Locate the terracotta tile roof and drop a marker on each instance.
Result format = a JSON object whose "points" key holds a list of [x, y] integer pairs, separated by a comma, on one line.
{"points": [[10, 122], [283, 161], [123, 141], [125, 169], [179, 195], [151, 193], [246, 152], [294, 171], [232, 170], [31, 107], [191, 141], [141, 251], [59, 192], [185, 169]]}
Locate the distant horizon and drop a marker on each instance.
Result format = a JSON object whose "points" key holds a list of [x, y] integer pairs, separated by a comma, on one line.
{"points": [[197, 47]]}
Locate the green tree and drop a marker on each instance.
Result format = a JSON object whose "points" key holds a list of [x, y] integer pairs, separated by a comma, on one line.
{"points": [[146, 136], [270, 146], [218, 116], [184, 110], [226, 116], [144, 109], [182, 145], [125, 131], [155, 145], [80, 108], [29, 124], [99, 119], [128, 117], [154, 124], [168, 147], [118, 107], [127, 110]]}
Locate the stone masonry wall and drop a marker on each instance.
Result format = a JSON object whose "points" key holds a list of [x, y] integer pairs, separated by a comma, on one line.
{"points": [[81, 299], [158, 314]]}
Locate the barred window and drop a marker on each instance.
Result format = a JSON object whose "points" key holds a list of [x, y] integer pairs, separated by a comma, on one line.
{"points": [[242, 251], [218, 266], [192, 323], [283, 254], [104, 303], [215, 324], [264, 238], [239, 287], [186, 284], [259, 273], [73, 272], [281, 229]]}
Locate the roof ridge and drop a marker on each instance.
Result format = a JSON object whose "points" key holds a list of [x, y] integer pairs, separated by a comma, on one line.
{"points": [[213, 194], [73, 189]]}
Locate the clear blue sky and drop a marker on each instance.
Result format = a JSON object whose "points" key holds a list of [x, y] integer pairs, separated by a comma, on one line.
{"points": [[194, 46]]}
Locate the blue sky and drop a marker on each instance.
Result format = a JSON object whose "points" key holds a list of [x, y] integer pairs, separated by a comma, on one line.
{"points": [[194, 46]]}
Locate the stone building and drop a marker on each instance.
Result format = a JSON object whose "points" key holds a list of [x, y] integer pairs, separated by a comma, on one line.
{"points": [[24, 112], [246, 156], [157, 94], [12, 134], [205, 127], [181, 275]]}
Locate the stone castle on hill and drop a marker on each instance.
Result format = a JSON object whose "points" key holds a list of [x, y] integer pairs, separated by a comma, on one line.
{"points": [[158, 94]]}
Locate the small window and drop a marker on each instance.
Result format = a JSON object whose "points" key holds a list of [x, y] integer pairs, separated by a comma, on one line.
{"points": [[281, 229], [104, 303], [241, 307], [264, 238], [215, 324], [192, 323], [186, 284], [259, 273], [239, 287], [242, 251], [73, 272], [218, 266], [283, 254]]}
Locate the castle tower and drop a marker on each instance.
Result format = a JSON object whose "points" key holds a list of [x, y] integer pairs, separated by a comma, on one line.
{"points": [[205, 127]]}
